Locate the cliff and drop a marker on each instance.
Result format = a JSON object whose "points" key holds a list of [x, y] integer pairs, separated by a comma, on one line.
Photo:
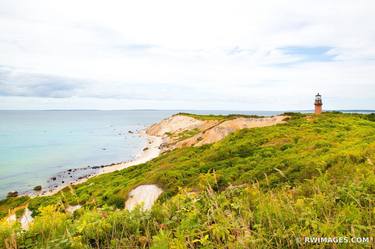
{"points": [[181, 130]]}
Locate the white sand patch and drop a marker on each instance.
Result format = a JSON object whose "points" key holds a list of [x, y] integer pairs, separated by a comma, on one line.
{"points": [[26, 219], [143, 194], [72, 209], [11, 218]]}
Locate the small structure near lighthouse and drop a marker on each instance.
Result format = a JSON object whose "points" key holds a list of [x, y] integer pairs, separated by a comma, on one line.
{"points": [[318, 104]]}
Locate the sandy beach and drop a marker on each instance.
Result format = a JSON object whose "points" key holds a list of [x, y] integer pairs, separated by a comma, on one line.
{"points": [[150, 151]]}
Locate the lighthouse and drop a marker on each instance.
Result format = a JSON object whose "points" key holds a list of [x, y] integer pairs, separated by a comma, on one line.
{"points": [[318, 104]]}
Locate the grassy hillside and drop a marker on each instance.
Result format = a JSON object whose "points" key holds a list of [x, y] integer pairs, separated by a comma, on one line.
{"points": [[258, 188], [218, 117]]}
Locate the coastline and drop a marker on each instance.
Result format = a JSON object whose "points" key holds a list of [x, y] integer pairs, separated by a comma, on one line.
{"points": [[150, 151], [208, 131]]}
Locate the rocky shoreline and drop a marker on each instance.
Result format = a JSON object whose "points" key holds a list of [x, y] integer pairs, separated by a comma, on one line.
{"points": [[75, 176], [65, 178]]}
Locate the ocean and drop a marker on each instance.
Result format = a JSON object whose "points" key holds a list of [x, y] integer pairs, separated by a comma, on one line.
{"points": [[35, 145]]}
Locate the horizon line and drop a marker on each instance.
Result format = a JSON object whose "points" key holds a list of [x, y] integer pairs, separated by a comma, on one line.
{"points": [[181, 110]]}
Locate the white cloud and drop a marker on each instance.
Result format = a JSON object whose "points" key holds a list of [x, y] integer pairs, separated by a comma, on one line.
{"points": [[188, 54]]}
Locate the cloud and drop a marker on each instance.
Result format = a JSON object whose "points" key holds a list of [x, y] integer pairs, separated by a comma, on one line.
{"points": [[213, 53], [20, 84], [36, 85]]}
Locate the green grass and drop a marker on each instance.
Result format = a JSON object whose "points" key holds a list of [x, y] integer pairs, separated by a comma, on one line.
{"points": [[11, 203], [182, 135], [258, 188], [217, 117], [186, 134]]}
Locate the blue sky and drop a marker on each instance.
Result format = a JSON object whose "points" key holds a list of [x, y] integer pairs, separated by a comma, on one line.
{"points": [[309, 54], [235, 55]]}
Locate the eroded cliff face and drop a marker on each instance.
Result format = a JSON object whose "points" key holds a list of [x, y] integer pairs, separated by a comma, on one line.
{"points": [[174, 124], [180, 130]]}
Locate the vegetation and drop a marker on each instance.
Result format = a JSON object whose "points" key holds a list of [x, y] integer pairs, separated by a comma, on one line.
{"points": [[258, 188], [217, 117], [179, 136], [10, 204]]}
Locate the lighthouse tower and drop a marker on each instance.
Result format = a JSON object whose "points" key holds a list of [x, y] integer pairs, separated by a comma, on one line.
{"points": [[318, 104]]}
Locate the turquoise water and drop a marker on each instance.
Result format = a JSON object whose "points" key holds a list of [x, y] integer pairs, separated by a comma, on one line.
{"points": [[34, 145]]}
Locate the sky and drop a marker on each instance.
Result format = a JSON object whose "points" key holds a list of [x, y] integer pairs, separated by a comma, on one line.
{"points": [[211, 55]]}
